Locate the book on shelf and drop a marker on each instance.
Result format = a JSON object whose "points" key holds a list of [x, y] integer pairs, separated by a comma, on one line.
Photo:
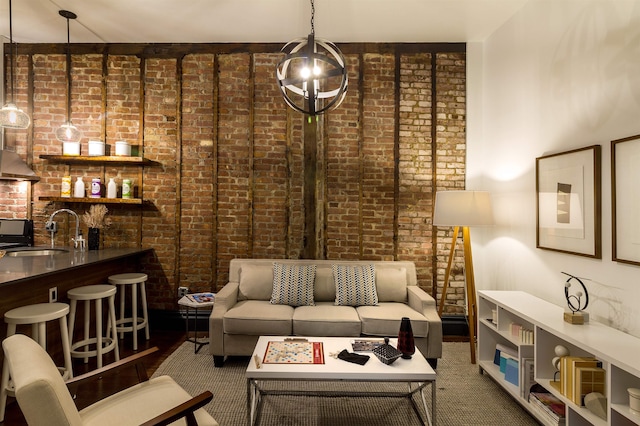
{"points": [[201, 297], [527, 377], [547, 405], [512, 371], [544, 417], [504, 356], [587, 380], [568, 366], [500, 350]]}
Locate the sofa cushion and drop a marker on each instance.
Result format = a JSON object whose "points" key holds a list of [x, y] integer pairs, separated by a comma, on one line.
{"points": [[257, 318], [256, 282], [324, 288], [355, 285], [384, 319], [293, 284], [326, 319], [391, 284]]}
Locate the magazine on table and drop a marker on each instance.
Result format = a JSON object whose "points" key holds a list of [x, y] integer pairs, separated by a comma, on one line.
{"points": [[202, 297], [366, 345]]}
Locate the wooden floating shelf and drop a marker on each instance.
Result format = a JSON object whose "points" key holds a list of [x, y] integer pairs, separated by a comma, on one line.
{"points": [[82, 159], [87, 200]]}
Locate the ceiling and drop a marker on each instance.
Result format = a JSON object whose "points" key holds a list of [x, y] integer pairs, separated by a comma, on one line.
{"points": [[219, 21]]}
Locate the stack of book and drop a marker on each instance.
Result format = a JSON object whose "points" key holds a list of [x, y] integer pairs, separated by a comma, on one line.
{"points": [[507, 359], [549, 408], [580, 376], [523, 334]]}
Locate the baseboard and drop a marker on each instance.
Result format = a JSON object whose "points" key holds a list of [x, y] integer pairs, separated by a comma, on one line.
{"points": [[455, 325]]}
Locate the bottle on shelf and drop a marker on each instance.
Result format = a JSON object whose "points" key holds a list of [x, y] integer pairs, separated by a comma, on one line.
{"points": [[78, 189], [96, 188], [65, 188], [127, 189], [112, 188]]}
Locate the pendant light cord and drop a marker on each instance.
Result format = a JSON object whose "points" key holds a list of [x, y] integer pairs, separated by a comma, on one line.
{"points": [[313, 15], [68, 74], [11, 53]]}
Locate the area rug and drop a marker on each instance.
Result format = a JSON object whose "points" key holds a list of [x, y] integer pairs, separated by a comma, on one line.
{"points": [[463, 395]]}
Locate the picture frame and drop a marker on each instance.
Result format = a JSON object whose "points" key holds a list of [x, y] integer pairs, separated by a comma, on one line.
{"points": [[625, 200], [568, 202]]}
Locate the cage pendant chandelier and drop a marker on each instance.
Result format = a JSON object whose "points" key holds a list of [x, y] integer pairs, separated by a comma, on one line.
{"points": [[68, 132], [312, 75], [11, 117]]}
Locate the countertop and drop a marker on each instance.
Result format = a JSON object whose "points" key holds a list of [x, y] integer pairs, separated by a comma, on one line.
{"points": [[16, 269]]}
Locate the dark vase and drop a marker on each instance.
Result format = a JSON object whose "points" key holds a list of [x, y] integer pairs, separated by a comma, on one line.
{"points": [[406, 343], [93, 239]]}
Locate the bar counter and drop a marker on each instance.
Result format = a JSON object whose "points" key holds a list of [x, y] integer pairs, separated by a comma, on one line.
{"points": [[14, 270], [26, 280]]}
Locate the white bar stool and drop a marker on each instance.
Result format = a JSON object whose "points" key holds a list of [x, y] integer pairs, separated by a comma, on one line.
{"points": [[103, 343], [37, 316], [133, 323]]}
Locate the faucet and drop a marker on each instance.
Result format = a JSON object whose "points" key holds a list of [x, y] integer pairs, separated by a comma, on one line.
{"points": [[52, 227]]}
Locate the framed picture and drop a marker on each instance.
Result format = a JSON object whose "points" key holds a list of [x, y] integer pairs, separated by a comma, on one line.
{"points": [[569, 203], [625, 199]]}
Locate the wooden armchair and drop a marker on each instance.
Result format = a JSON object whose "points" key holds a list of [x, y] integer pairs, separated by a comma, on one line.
{"points": [[45, 399]]}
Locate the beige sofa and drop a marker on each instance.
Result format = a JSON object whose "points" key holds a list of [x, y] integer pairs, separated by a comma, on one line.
{"points": [[243, 308]]}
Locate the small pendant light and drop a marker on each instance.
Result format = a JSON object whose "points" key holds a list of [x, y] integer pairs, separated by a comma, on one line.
{"points": [[11, 117], [68, 132]]}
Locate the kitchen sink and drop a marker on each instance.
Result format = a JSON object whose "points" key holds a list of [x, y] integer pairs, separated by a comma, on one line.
{"points": [[42, 252]]}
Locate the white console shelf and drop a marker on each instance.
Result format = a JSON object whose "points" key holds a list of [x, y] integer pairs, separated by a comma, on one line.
{"points": [[619, 352]]}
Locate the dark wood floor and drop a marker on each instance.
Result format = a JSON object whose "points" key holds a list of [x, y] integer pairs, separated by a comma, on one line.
{"points": [[167, 341]]}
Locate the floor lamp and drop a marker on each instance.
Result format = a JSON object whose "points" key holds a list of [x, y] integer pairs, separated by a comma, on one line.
{"points": [[463, 209]]}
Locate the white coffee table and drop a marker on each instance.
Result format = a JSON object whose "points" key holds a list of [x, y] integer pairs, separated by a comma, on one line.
{"points": [[416, 372]]}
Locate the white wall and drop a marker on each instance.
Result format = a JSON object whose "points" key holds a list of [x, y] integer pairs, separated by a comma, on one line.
{"points": [[560, 75]]}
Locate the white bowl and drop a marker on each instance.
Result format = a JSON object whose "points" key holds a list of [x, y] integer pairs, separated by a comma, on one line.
{"points": [[123, 148], [70, 148], [96, 148]]}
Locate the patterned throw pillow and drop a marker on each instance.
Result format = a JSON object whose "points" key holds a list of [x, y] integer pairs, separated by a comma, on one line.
{"points": [[355, 285], [293, 284]]}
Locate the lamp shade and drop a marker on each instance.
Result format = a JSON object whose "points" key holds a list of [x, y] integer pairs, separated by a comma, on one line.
{"points": [[68, 133], [463, 208], [12, 117]]}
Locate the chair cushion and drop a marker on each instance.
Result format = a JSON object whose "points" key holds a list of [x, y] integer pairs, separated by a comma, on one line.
{"points": [[326, 319], [355, 285], [257, 318], [384, 319], [139, 403], [293, 284]]}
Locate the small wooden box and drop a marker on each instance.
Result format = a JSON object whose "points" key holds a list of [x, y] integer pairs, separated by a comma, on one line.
{"points": [[574, 318]]}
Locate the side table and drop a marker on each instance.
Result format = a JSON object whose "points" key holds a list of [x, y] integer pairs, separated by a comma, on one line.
{"points": [[190, 301]]}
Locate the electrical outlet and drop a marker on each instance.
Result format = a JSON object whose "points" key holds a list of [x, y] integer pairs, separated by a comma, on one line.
{"points": [[53, 294], [51, 226], [182, 291]]}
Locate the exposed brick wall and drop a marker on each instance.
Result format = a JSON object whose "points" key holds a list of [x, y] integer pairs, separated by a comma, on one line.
{"points": [[197, 172], [416, 167], [227, 178], [450, 164], [159, 227]]}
